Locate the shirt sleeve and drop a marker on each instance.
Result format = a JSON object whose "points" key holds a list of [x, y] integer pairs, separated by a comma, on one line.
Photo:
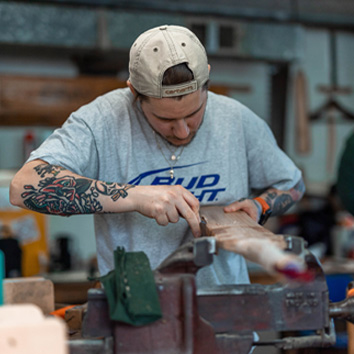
{"points": [[72, 146], [268, 165]]}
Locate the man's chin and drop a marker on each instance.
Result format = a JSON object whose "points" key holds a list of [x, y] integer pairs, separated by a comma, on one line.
{"points": [[180, 142]]}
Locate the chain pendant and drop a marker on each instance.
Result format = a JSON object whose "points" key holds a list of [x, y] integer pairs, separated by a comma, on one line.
{"points": [[174, 157]]}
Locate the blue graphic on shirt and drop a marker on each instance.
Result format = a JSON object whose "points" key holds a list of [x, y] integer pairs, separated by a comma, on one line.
{"points": [[204, 187]]}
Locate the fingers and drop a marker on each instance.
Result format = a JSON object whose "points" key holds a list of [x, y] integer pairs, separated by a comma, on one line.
{"points": [[166, 204], [249, 206], [172, 215], [186, 205], [192, 219], [238, 205], [188, 208], [193, 202], [232, 207]]}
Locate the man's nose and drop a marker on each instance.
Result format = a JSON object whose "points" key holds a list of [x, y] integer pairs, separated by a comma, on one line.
{"points": [[181, 129]]}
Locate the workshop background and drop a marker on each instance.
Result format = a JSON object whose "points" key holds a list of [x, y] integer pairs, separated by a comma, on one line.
{"points": [[290, 61]]}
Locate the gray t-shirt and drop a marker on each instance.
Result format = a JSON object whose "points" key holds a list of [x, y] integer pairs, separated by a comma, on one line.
{"points": [[233, 153]]}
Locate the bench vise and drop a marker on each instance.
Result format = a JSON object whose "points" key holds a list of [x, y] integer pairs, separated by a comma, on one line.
{"points": [[218, 321]]}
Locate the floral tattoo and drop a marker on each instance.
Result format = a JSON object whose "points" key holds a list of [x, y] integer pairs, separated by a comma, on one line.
{"points": [[68, 195]]}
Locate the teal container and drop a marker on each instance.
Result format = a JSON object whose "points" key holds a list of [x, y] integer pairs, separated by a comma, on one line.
{"points": [[2, 275]]}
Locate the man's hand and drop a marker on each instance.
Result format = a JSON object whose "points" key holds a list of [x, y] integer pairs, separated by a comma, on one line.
{"points": [[249, 206], [166, 204], [279, 201]]}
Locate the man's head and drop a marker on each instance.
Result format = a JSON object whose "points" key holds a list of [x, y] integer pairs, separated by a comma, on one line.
{"points": [[169, 74], [161, 48]]}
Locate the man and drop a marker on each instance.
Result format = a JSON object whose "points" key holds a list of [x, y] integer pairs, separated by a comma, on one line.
{"points": [[147, 156]]}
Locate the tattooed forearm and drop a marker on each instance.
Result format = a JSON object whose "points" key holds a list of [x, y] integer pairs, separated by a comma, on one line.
{"points": [[281, 204], [114, 190], [298, 191], [68, 195], [281, 201], [44, 169]]}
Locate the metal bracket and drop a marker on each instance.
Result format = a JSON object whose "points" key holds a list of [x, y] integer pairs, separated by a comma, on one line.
{"points": [[203, 250], [295, 244]]}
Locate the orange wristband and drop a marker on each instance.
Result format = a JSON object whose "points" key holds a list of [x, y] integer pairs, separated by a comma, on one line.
{"points": [[266, 211], [265, 206]]}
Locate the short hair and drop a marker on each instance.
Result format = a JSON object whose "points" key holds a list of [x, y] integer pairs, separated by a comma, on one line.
{"points": [[174, 75]]}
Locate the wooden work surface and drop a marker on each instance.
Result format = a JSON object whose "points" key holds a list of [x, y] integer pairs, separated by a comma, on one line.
{"points": [[70, 287], [220, 224], [237, 232]]}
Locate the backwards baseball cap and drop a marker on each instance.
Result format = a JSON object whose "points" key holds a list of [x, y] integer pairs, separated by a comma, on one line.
{"points": [[160, 48]]}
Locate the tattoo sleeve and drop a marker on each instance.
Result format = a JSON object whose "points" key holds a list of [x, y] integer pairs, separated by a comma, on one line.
{"points": [[281, 201], [68, 195]]}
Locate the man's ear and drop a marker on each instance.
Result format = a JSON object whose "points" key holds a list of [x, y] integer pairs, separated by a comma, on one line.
{"points": [[209, 68], [132, 89]]}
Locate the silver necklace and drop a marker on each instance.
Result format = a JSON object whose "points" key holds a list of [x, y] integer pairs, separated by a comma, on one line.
{"points": [[174, 157]]}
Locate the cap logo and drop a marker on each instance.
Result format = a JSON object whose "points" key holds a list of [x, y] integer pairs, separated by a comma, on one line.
{"points": [[179, 90]]}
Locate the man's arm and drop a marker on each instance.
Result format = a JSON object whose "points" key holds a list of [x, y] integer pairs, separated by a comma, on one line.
{"points": [[279, 201], [51, 189]]}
